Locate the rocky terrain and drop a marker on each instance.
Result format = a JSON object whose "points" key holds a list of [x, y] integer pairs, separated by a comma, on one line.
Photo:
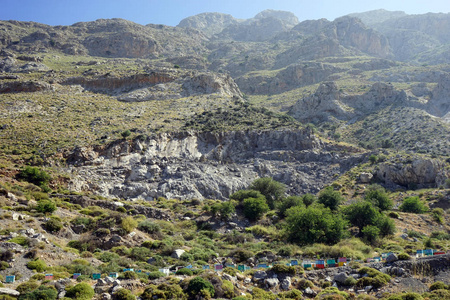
{"points": [[126, 145]]}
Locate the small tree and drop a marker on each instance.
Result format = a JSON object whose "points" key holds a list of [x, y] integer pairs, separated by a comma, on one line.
{"points": [[287, 203], [126, 134], [413, 205], [379, 198], [309, 199], [254, 208], [330, 198], [271, 189], [35, 175]]}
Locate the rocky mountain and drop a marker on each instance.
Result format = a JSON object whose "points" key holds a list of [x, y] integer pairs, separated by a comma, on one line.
{"points": [[209, 23]]}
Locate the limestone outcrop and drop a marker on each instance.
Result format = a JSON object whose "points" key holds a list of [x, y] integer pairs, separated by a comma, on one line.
{"points": [[328, 103], [207, 165]]}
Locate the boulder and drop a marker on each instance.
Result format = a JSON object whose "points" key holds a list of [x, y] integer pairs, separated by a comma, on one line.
{"points": [[259, 275], [177, 253], [340, 277], [10, 292], [391, 258], [286, 283], [365, 177], [272, 282]]}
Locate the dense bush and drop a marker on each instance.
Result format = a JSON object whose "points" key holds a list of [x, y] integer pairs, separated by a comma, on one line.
{"points": [[330, 198], [374, 278], [42, 293], [308, 199], [287, 203], [128, 275], [149, 227], [439, 285], [123, 294], [38, 265], [271, 189], [241, 195], [35, 175], [184, 271], [53, 225], [27, 287], [80, 291], [404, 256], [129, 224], [254, 208], [155, 275], [413, 205], [3, 265], [378, 197], [140, 253], [314, 224], [46, 206], [163, 291], [283, 269], [225, 209], [197, 284]]}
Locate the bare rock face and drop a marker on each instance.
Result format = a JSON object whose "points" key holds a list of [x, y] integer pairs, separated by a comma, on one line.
{"points": [[209, 83], [207, 165], [24, 86], [328, 103], [209, 23], [292, 77], [439, 105], [419, 173]]}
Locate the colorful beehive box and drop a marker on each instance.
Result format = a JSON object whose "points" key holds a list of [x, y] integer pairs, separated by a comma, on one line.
{"points": [[307, 264], [128, 269], [10, 279], [438, 253], [114, 274], [48, 276], [96, 276], [342, 261], [230, 265], [241, 268], [218, 267], [294, 262], [377, 259], [320, 264], [206, 267], [384, 255], [262, 266], [165, 271], [331, 263], [428, 252], [76, 275], [419, 253], [189, 266]]}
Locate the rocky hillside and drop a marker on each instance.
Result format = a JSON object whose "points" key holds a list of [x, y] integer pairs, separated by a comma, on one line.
{"points": [[221, 142]]}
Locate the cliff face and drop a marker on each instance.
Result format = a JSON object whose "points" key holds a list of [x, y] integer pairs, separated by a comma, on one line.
{"points": [[159, 85], [207, 165], [328, 103]]}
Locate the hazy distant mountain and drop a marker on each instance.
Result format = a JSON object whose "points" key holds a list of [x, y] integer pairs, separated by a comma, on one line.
{"points": [[373, 17]]}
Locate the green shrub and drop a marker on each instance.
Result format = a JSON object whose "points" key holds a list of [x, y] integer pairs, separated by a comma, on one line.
{"points": [[393, 215], [46, 206], [241, 195], [330, 198], [437, 295], [140, 253], [80, 291], [27, 287], [38, 265], [413, 205], [371, 233], [378, 197], [155, 275], [35, 175], [258, 293], [197, 284], [129, 275], [287, 203], [438, 215], [53, 225], [184, 271], [163, 291], [283, 269], [292, 294], [44, 292], [126, 134], [271, 189], [254, 208], [314, 224], [226, 209], [308, 199], [439, 285], [350, 281], [20, 240], [129, 224], [3, 265], [124, 294], [241, 255], [374, 278], [304, 283], [149, 227], [406, 296], [404, 256], [38, 277]]}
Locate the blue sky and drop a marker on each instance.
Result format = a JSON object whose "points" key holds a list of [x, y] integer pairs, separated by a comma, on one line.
{"points": [[171, 12]]}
